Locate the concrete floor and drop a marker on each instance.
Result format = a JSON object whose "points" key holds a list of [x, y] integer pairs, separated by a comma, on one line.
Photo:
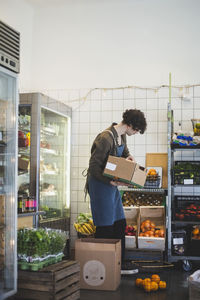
{"points": [[177, 288]]}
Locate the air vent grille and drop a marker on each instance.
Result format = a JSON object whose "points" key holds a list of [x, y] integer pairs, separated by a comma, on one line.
{"points": [[9, 47]]}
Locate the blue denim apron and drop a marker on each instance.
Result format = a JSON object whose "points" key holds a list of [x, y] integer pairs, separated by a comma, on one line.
{"points": [[105, 199]]}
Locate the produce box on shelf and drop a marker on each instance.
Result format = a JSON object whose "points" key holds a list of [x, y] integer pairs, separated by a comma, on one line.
{"points": [[186, 208], [154, 177], [131, 215], [151, 228], [133, 198], [186, 173]]}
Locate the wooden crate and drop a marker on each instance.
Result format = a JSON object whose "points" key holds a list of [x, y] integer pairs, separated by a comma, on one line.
{"points": [[60, 281]]}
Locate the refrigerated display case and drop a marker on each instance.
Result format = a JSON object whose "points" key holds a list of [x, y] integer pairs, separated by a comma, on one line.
{"points": [[8, 179], [44, 160]]}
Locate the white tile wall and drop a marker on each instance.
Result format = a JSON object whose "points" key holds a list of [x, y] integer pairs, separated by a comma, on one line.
{"points": [[141, 104], [118, 94], [152, 127], [196, 113], [101, 107], [197, 103], [140, 150], [152, 103]]}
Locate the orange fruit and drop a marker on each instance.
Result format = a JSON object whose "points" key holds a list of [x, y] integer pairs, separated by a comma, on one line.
{"points": [[162, 285], [153, 173], [154, 286], [155, 277], [145, 281], [147, 287], [195, 231], [138, 282], [161, 233]]}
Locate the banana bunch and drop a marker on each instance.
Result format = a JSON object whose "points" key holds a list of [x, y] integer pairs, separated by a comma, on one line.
{"points": [[86, 228]]}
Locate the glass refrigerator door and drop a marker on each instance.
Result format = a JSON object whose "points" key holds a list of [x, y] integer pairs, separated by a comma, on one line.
{"points": [[54, 164], [26, 201], [8, 172]]}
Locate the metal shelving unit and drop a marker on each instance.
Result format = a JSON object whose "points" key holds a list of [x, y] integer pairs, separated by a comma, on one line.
{"points": [[142, 190], [171, 223]]}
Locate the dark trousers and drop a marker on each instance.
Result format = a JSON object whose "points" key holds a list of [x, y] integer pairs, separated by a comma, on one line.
{"points": [[115, 231]]}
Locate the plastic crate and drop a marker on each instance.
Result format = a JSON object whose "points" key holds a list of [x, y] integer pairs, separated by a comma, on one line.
{"points": [[133, 198], [186, 208], [186, 173], [153, 182]]}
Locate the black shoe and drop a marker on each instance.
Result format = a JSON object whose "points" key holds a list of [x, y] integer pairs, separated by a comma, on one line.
{"points": [[129, 268]]}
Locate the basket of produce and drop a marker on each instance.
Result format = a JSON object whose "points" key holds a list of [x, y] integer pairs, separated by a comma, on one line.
{"points": [[84, 225], [154, 177], [187, 208], [186, 173]]}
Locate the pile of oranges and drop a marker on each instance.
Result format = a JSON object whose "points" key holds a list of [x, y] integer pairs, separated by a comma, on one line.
{"points": [[151, 284], [148, 229], [152, 172]]}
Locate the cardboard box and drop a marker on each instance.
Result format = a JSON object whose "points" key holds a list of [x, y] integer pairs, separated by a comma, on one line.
{"points": [[100, 262], [131, 215], [125, 170], [155, 214]]}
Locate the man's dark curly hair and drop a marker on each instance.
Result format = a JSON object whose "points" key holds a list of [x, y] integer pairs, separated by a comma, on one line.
{"points": [[136, 119]]}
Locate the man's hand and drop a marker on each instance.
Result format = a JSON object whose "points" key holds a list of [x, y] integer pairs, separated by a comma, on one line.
{"points": [[117, 183], [130, 157]]}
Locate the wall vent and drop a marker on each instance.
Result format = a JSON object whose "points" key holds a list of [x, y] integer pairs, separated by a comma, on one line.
{"points": [[9, 47]]}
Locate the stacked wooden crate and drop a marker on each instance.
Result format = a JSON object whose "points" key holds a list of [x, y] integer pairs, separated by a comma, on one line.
{"points": [[55, 282]]}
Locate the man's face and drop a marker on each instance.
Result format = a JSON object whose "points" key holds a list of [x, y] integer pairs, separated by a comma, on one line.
{"points": [[130, 131]]}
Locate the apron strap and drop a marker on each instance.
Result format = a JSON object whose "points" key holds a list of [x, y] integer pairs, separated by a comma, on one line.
{"points": [[112, 136]]}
